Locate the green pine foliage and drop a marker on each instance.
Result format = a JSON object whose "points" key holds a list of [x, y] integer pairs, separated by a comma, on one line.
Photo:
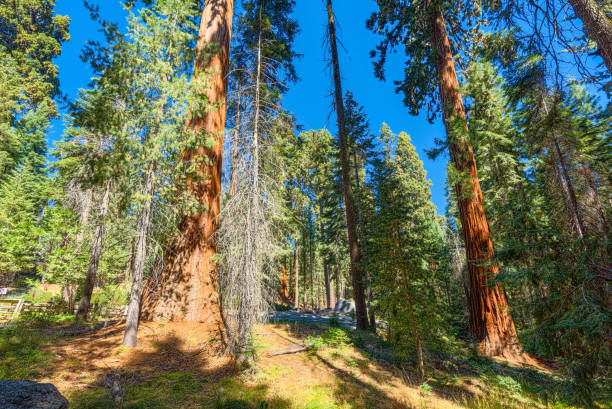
{"points": [[32, 37], [540, 134], [406, 247]]}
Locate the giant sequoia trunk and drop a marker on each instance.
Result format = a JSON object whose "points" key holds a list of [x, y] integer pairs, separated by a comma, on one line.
{"points": [[284, 288], [598, 26], [490, 321], [94, 258], [189, 289], [361, 313], [130, 338]]}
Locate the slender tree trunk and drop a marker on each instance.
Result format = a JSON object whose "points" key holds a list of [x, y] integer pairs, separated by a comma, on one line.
{"points": [[130, 338], [189, 289], [414, 328], [312, 271], [235, 147], [69, 291], [291, 278], [296, 273], [332, 287], [363, 246], [490, 321], [597, 25], [129, 268], [94, 258], [305, 276], [569, 188], [84, 219], [594, 201], [328, 295], [361, 313], [257, 113]]}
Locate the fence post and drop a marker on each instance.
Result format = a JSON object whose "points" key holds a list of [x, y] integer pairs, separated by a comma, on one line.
{"points": [[17, 309]]}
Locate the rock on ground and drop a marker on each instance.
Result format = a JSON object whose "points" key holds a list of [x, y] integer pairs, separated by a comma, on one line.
{"points": [[345, 306], [30, 395]]}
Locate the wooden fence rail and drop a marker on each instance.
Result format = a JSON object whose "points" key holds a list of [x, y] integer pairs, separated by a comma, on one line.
{"points": [[10, 309]]}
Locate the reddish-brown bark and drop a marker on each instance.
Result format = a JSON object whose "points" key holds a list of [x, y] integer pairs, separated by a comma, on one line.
{"points": [[296, 275], [284, 289], [490, 321], [188, 290]]}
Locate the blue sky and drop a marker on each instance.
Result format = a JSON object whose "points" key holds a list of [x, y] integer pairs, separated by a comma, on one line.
{"points": [[309, 99]]}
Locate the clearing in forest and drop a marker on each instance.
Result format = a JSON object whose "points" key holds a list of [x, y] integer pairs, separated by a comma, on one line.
{"points": [[178, 365]]}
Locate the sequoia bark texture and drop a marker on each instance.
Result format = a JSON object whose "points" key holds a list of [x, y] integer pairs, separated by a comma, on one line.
{"points": [[490, 321], [361, 314], [188, 291]]}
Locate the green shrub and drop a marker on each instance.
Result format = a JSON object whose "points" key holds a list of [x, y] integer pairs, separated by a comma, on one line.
{"points": [[314, 343], [43, 318], [112, 296], [282, 307], [335, 336], [508, 384], [425, 388]]}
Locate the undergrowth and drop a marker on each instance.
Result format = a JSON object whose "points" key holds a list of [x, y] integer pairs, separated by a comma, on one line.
{"points": [[20, 354]]}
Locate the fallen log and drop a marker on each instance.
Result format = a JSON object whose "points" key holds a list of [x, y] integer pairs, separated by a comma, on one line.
{"points": [[290, 350]]}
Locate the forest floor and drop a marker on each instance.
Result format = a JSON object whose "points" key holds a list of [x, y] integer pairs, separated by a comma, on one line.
{"points": [[179, 365]]}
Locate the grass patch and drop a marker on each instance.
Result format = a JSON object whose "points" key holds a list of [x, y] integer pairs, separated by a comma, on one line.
{"points": [[164, 391], [21, 354]]}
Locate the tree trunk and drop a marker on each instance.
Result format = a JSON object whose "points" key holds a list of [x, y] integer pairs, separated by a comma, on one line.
{"points": [[312, 285], [568, 187], [284, 288], [305, 276], [131, 326], [598, 26], [332, 287], [257, 114], [69, 291], [415, 329], [363, 249], [94, 258], [235, 146], [327, 286], [296, 273], [129, 268], [490, 321], [594, 201], [189, 288], [361, 313]]}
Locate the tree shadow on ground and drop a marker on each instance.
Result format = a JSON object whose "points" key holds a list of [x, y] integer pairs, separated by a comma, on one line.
{"points": [[349, 389], [175, 366], [467, 381]]}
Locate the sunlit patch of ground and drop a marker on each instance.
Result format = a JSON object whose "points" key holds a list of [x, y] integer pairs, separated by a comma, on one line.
{"points": [[178, 365]]}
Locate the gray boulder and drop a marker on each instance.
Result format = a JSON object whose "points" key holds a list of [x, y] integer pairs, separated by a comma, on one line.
{"points": [[344, 307], [30, 395]]}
